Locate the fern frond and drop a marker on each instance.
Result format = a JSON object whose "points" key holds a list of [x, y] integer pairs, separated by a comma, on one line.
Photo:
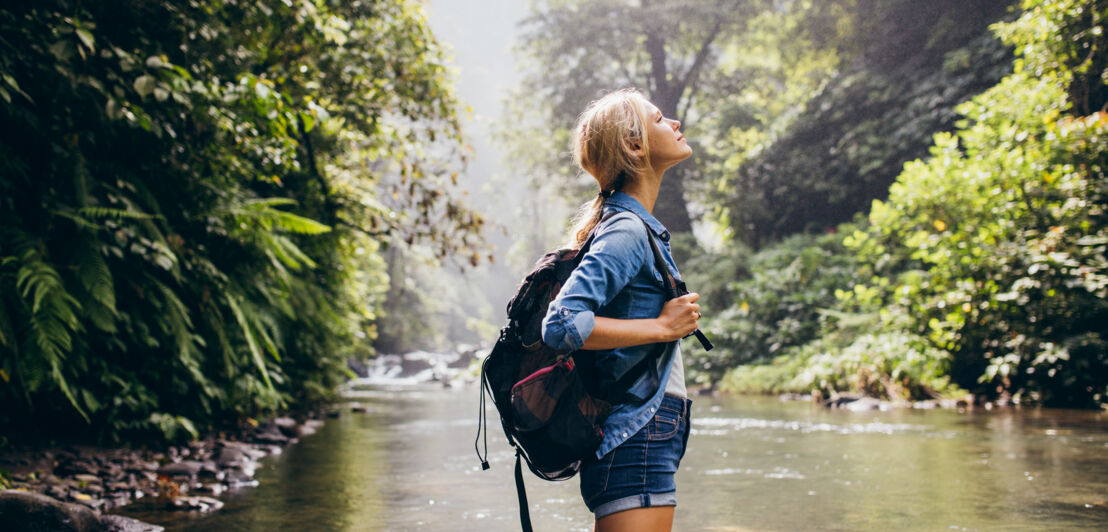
{"points": [[51, 319], [251, 343], [96, 279], [115, 214], [80, 221], [294, 223], [261, 213]]}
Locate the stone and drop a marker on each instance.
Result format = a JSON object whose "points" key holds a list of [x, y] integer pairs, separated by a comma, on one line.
{"points": [[863, 404], [310, 427], [840, 400], [197, 503], [118, 523], [138, 466], [33, 512], [75, 466], [231, 457], [287, 426], [184, 468], [119, 486], [94, 503], [269, 433], [214, 488], [57, 492], [86, 478], [237, 478]]}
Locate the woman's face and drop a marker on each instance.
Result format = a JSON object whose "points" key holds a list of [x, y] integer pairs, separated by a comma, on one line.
{"points": [[667, 145]]}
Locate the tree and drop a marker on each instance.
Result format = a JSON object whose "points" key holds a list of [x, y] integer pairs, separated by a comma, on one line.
{"points": [[583, 48], [905, 66]]}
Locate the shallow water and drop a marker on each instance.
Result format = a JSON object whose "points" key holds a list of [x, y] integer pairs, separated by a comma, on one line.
{"points": [[753, 464]]}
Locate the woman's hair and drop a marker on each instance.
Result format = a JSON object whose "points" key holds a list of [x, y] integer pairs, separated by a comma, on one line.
{"points": [[610, 143]]}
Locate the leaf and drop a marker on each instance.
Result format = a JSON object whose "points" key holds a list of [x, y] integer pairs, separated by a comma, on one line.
{"points": [[14, 85], [144, 85], [255, 353], [61, 51], [86, 39]]}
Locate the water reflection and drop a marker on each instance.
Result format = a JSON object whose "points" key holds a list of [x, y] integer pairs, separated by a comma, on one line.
{"points": [[753, 464]]}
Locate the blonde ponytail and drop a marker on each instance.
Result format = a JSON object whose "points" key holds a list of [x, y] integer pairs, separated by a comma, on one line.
{"points": [[610, 143]]}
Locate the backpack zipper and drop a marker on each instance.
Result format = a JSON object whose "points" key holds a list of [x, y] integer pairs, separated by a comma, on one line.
{"points": [[566, 363]]}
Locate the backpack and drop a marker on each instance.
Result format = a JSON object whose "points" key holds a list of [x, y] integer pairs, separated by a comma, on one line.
{"points": [[549, 402]]}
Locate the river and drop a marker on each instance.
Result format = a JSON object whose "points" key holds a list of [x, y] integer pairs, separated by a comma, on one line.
{"points": [[754, 464]]}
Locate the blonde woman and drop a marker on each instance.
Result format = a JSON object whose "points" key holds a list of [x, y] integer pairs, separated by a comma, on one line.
{"points": [[614, 304]]}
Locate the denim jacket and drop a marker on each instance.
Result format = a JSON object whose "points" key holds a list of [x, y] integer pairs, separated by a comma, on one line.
{"points": [[617, 278]]}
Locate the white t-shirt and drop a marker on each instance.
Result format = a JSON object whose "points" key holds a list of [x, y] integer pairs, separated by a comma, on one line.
{"points": [[676, 383]]}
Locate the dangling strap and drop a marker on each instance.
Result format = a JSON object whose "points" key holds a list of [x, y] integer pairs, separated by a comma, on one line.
{"points": [[521, 491], [482, 422]]}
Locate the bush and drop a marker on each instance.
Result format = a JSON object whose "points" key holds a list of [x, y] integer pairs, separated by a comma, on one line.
{"points": [[768, 301]]}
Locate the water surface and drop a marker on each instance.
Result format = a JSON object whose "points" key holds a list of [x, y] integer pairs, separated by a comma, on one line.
{"points": [[753, 464]]}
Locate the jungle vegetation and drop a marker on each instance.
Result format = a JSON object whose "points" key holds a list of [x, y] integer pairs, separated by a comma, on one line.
{"points": [[892, 197], [195, 202]]}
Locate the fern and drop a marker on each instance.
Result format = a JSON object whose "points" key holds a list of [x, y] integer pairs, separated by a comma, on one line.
{"points": [[96, 279], [261, 213], [252, 344], [115, 214], [51, 322]]}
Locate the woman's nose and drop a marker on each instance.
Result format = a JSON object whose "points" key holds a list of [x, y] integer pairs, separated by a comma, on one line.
{"points": [[676, 124]]}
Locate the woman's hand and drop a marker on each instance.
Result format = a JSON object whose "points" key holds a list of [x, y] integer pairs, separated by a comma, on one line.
{"points": [[679, 317], [677, 320]]}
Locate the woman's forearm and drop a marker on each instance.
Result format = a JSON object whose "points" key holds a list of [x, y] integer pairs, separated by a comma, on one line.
{"points": [[610, 333], [678, 318]]}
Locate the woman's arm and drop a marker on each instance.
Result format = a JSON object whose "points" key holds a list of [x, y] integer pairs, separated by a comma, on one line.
{"points": [[678, 318]]}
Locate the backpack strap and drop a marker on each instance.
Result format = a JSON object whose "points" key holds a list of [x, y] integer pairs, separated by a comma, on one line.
{"points": [[672, 286], [521, 492]]}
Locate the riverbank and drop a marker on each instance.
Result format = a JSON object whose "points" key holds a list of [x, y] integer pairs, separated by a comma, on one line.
{"points": [[187, 477]]}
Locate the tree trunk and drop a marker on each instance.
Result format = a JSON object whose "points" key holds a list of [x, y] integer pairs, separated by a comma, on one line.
{"points": [[670, 209]]}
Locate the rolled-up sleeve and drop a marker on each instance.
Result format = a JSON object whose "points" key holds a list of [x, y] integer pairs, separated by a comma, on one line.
{"points": [[616, 255]]}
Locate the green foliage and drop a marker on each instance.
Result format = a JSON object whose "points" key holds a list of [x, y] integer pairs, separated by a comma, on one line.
{"points": [[995, 245], [900, 70], [192, 201], [769, 301], [893, 365], [985, 268]]}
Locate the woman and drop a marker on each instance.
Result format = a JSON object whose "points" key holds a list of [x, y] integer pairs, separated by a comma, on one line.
{"points": [[614, 304]]}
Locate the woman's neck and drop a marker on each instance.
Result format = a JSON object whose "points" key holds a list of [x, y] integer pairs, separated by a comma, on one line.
{"points": [[644, 189]]}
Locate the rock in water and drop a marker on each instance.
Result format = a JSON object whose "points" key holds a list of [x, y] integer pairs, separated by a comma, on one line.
{"points": [[184, 468], [118, 523], [22, 511]]}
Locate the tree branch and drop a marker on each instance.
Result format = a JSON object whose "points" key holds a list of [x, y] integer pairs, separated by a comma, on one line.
{"points": [[689, 80]]}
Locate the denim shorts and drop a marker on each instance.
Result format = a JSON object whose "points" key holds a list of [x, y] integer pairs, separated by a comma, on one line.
{"points": [[639, 472]]}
